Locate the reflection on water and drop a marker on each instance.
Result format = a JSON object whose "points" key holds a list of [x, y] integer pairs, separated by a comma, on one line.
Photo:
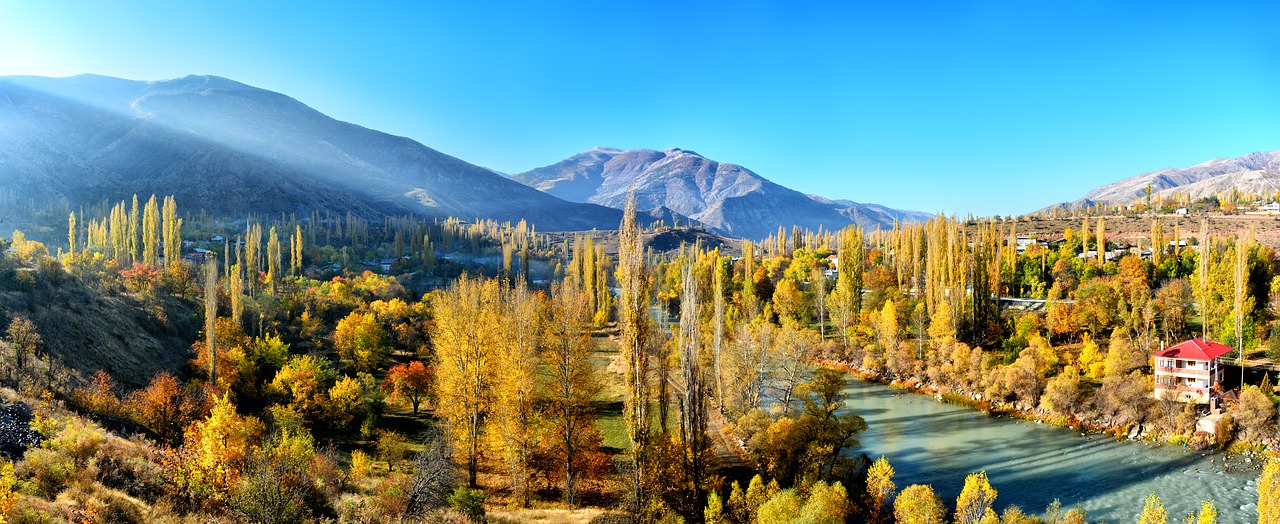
{"points": [[929, 442]]}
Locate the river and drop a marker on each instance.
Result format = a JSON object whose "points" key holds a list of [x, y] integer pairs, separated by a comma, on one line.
{"points": [[1030, 464]]}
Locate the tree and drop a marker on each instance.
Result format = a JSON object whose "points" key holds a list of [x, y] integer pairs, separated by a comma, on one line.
{"points": [[818, 282], [25, 341], [214, 451], [975, 499], [410, 382], [151, 233], [790, 303], [211, 317], [1208, 514], [918, 505], [466, 336], [172, 229], [633, 312], [880, 487], [693, 406], [516, 415], [1255, 413], [571, 380], [8, 481], [360, 339], [1153, 511], [273, 259], [1268, 487], [71, 234]]}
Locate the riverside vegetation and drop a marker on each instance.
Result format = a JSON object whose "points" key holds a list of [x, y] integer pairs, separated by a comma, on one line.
{"points": [[498, 374]]}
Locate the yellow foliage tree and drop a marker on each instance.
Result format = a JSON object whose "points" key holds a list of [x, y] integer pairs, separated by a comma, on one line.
{"points": [[1153, 511], [880, 486], [360, 339], [917, 504], [7, 494], [467, 337], [1269, 493], [975, 499]]}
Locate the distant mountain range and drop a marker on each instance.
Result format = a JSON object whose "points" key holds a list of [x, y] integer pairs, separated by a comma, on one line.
{"points": [[727, 198], [1257, 173], [232, 149]]}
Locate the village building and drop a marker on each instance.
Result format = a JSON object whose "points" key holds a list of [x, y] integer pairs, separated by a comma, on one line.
{"points": [[1189, 371]]}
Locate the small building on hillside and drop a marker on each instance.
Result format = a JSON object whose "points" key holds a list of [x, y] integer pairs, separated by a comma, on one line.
{"points": [[1188, 371]]}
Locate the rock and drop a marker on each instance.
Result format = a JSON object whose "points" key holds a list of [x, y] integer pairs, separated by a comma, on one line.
{"points": [[16, 435]]}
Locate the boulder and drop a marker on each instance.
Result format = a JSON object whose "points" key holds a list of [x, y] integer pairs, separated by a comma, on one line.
{"points": [[16, 435]]}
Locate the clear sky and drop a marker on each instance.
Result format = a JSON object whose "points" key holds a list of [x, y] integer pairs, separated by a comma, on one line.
{"points": [[988, 107]]}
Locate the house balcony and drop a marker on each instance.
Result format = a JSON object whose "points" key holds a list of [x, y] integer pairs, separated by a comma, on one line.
{"points": [[1183, 372]]}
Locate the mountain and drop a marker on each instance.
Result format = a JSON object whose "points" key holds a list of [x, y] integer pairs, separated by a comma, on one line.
{"points": [[232, 149], [728, 198], [1257, 172]]}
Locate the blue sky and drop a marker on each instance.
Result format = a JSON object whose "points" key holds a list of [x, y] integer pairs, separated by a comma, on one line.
{"points": [[984, 107]]}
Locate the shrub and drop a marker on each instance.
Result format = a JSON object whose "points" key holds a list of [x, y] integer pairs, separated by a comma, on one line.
{"points": [[360, 466], [469, 501], [50, 470]]}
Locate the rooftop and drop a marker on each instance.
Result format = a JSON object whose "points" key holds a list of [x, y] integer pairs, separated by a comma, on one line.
{"points": [[1196, 349]]}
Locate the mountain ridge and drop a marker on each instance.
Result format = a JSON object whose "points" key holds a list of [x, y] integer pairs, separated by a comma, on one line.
{"points": [[726, 197], [232, 148], [1255, 172]]}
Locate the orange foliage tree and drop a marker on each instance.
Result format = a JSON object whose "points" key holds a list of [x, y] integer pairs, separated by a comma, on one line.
{"points": [[409, 382]]}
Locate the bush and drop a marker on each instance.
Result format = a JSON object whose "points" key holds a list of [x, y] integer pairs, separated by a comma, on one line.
{"points": [[470, 502], [52, 471], [131, 467]]}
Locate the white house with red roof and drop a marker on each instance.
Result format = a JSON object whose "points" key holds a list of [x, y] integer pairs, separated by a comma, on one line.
{"points": [[1189, 370]]}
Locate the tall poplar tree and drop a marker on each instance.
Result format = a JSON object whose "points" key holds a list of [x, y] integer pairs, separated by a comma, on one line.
{"points": [[151, 233], [633, 313], [172, 234]]}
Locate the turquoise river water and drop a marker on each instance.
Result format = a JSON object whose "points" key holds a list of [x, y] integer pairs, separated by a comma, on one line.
{"points": [[1030, 464]]}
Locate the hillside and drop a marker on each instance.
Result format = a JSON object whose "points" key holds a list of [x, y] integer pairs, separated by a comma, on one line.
{"points": [[233, 149], [727, 198], [1257, 172]]}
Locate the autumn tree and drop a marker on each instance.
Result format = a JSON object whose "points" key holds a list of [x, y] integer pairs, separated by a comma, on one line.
{"points": [[1268, 487], [172, 229], [571, 380], [1153, 511], [633, 315], [975, 499], [360, 339], [880, 488], [409, 382], [693, 398], [273, 259], [516, 417], [213, 453], [466, 336], [151, 233], [211, 316], [917, 504]]}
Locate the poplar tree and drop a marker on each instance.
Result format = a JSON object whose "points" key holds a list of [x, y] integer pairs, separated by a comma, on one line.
{"points": [[71, 234], [151, 233], [693, 407], [273, 259], [172, 234], [633, 313], [211, 316], [1102, 242], [135, 247]]}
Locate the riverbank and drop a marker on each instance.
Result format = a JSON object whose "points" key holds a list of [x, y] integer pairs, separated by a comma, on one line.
{"points": [[1238, 454]]}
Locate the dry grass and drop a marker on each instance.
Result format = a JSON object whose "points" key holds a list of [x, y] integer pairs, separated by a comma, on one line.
{"points": [[546, 516]]}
